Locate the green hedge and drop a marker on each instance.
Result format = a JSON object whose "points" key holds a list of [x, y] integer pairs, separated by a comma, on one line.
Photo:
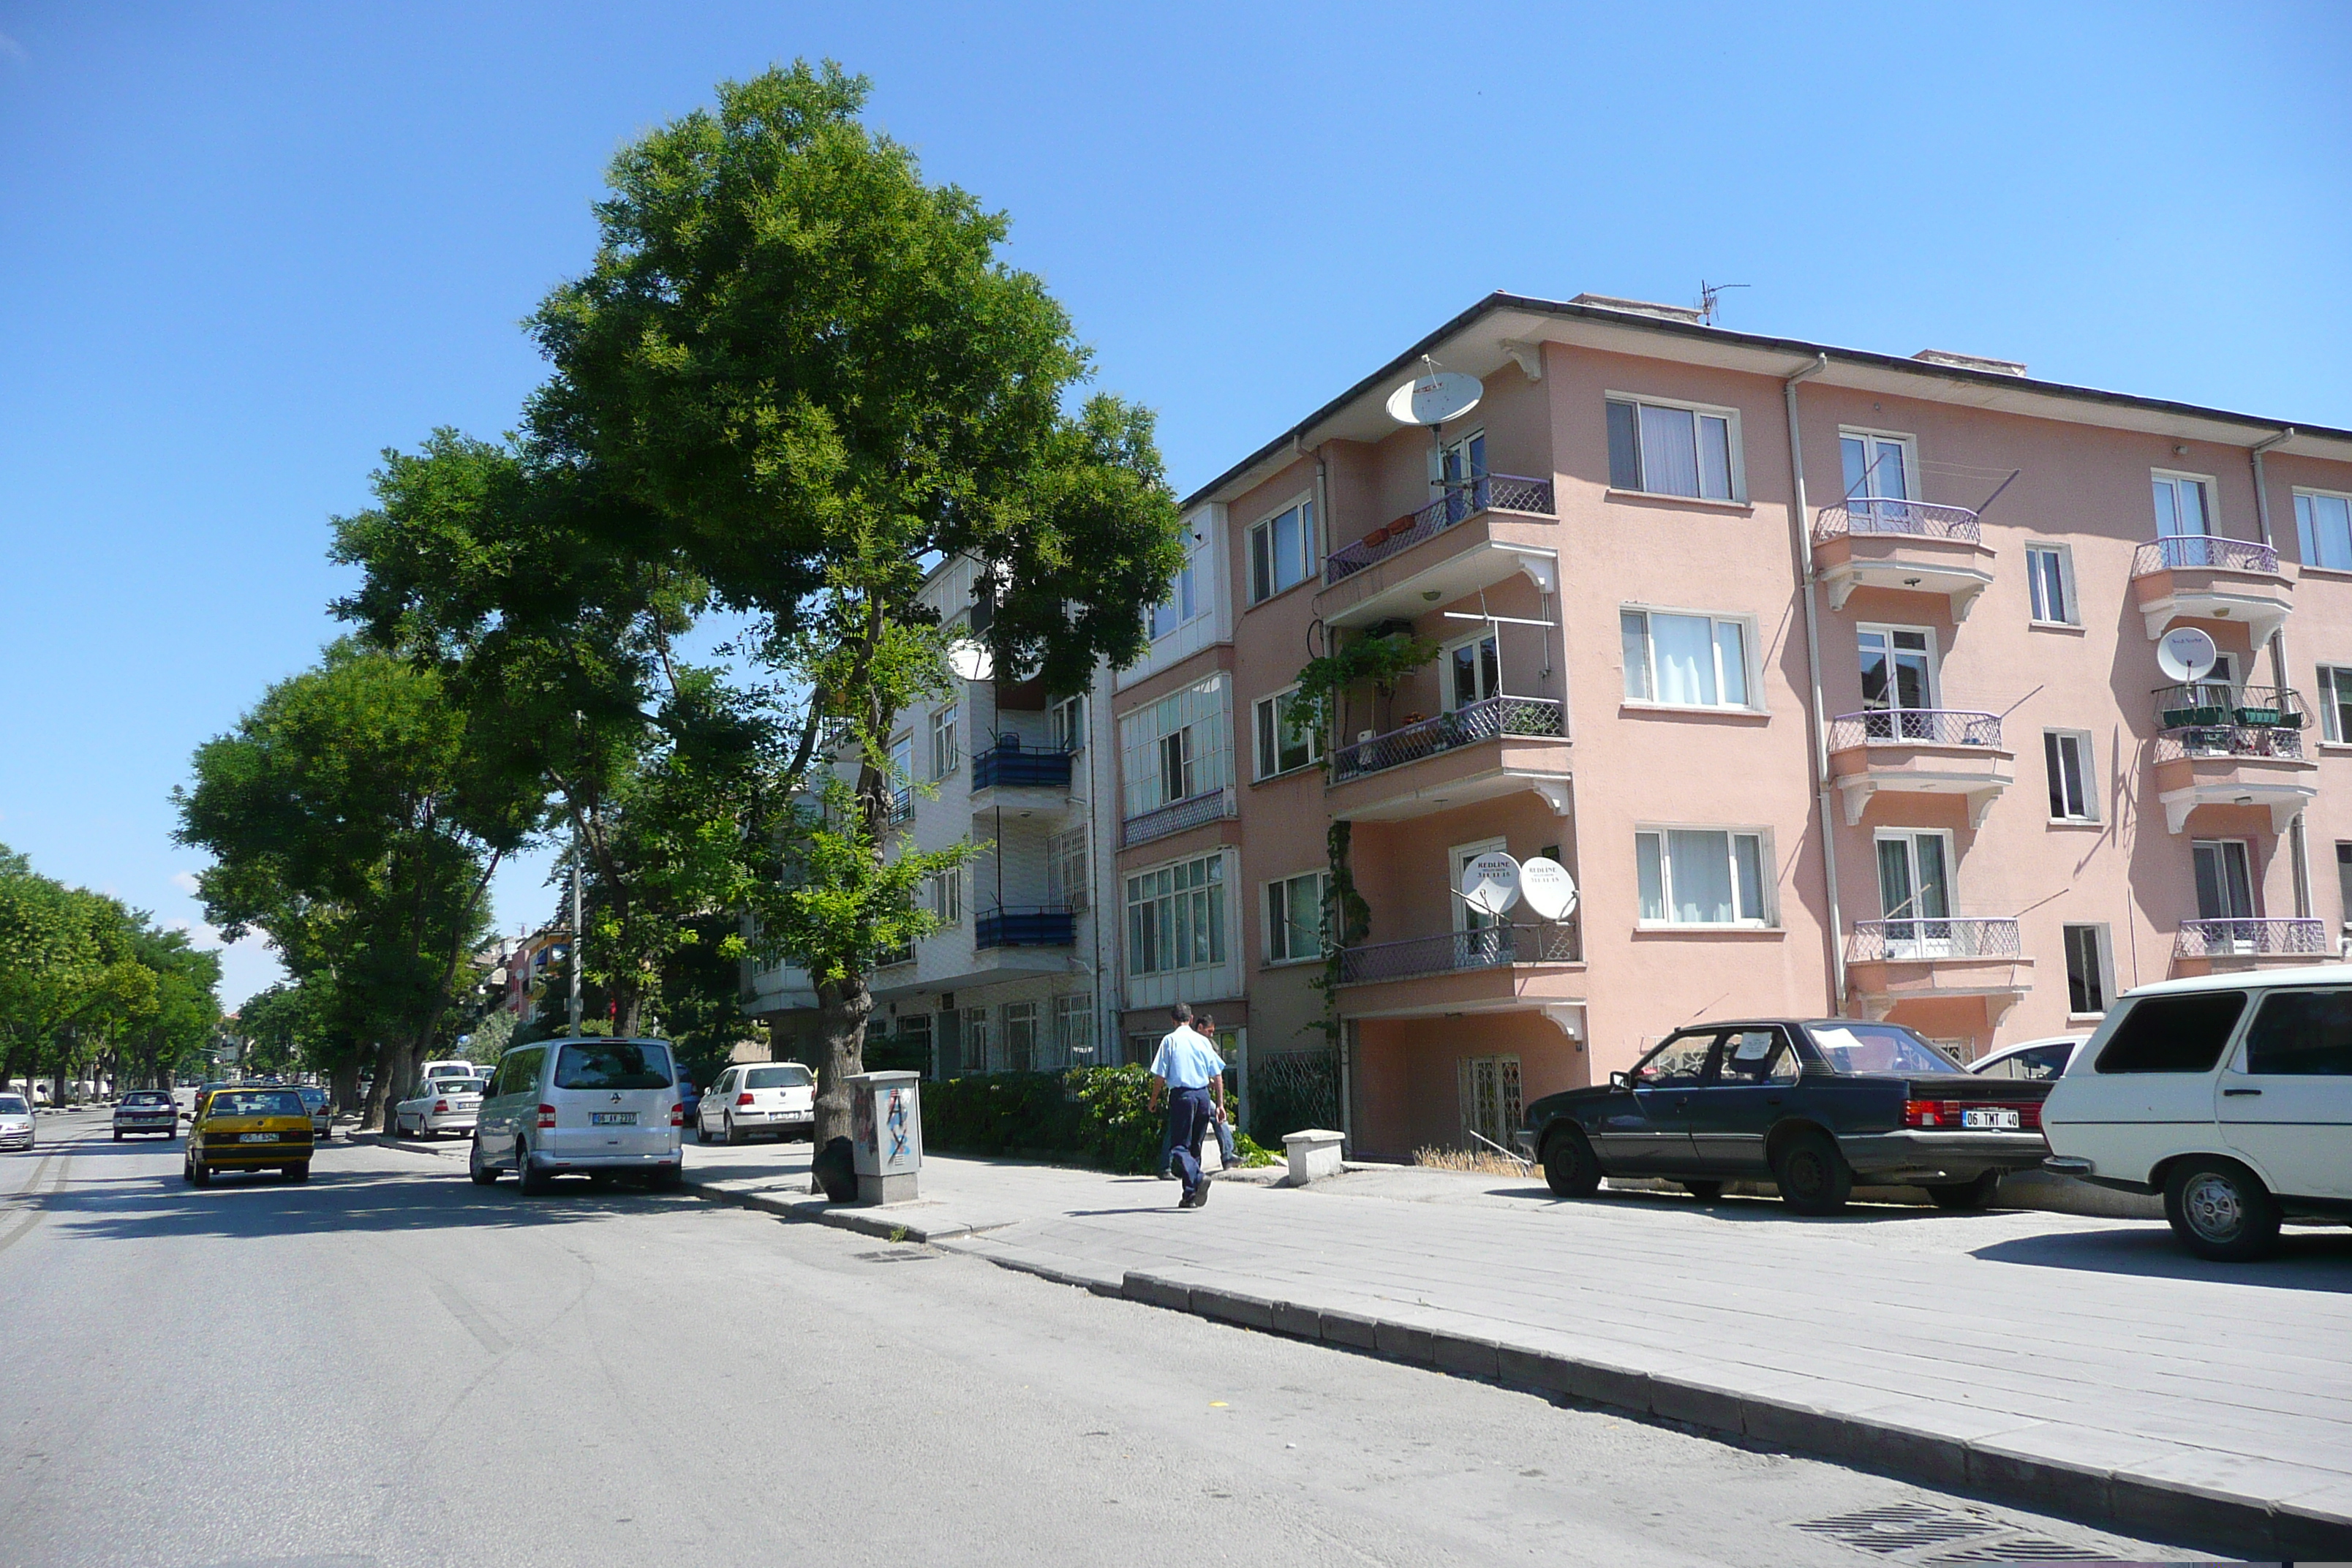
{"points": [[1101, 1115]]}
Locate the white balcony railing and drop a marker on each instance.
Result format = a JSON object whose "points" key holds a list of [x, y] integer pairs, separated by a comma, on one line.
{"points": [[2286, 938], [1914, 727], [1927, 938], [1911, 519]]}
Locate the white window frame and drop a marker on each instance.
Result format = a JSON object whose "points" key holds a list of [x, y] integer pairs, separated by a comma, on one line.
{"points": [[1458, 858], [1448, 700], [1274, 904], [1934, 659], [2211, 486], [978, 1058], [1065, 718], [1765, 919], [1072, 1027], [2333, 685], [1738, 465], [1069, 869], [2103, 940], [1219, 934], [1266, 729], [1910, 444], [2053, 747], [946, 895], [1202, 707], [1649, 671], [947, 748], [1310, 569], [1188, 596], [2065, 554], [1022, 1016], [2305, 525]]}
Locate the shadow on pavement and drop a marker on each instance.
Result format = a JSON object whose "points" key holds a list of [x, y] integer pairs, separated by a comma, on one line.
{"points": [[2305, 1260], [1745, 1209]]}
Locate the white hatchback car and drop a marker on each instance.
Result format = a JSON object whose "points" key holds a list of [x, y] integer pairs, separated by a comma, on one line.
{"points": [[590, 1105], [758, 1097], [2230, 1094], [440, 1105]]}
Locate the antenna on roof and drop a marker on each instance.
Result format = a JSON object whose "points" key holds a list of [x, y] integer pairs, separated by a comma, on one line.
{"points": [[1707, 299]]}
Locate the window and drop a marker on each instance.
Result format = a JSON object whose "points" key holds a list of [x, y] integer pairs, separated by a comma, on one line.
{"points": [[1073, 1027], [1680, 1063], [2225, 884], [1489, 1092], [902, 777], [1685, 661], [2173, 1034], [946, 895], [1281, 552], [1176, 748], [2323, 526], [2048, 576], [1459, 467], [2344, 879], [1294, 917], [1898, 666], [945, 756], [1066, 722], [612, 1064], [1020, 1037], [915, 1037], [1188, 598], [2086, 968], [1176, 916], [1474, 671], [1672, 450], [1176, 766], [1756, 1055], [1877, 467], [975, 1040], [1914, 891], [2335, 704], [1068, 877], [2182, 505], [1284, 742], [2066, 756], [1700, 876], [2302, 1033]]}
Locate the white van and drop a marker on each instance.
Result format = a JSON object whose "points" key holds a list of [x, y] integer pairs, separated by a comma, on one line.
{"points": [[590, 1105], [2230, 1094]]}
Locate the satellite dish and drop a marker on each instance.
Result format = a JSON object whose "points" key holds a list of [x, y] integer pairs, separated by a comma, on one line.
{"points": [[1490, 883], [1436, 397], [970, 660], [1547, 888], [2187, 654]]}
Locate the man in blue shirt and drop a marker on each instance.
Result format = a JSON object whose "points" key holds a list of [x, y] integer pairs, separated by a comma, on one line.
{"points": [[1191, 1073]]}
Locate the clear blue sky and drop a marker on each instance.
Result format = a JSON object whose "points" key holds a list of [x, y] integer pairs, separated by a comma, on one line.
{"points": [[244, 246]]}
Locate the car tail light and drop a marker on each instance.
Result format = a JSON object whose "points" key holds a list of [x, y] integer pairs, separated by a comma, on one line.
{"points": [[439, 1106], [1947, 1112], [677, 1115], [547, 1116], [744, 1099]]}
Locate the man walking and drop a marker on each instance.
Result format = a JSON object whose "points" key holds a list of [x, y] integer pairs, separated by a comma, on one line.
{"points": [[1192, 1074]]}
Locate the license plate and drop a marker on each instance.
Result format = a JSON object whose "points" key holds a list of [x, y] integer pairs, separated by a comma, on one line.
{"points": [[611, 1119], [257, 1137], [1993, 1120]]}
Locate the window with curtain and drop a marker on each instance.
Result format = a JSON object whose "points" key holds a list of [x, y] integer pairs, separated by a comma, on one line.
{"points": [[2323, 526], [2181, 506], [1074, 1027], [2336, 710], [1685, 661], [1700, 877], [1669, 449]]}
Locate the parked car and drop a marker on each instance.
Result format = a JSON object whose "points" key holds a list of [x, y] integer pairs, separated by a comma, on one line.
{"points": [[439, 1105], [249, 1130], [17, 1130], [1813, 1105], [2230, 1094], [322, 1115], [450, 1069], [596, 1107], [2042, 1060], [690, 1099], [146, 1110], [760, 1097]]}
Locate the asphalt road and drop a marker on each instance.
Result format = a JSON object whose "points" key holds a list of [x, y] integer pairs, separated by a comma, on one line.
{"points": [[389, 1365]]}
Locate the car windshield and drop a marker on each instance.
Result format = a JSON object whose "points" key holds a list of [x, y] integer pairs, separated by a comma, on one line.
{"points": [[314, 1098], [146, 1098], [1879, 1048], [13, 1105], [614, 1064], [456, 1085], [791, 1075], [255, 1102]]}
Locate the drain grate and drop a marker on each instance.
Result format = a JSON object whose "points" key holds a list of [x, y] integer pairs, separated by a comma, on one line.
{"points": [[2020, 1549], [1898, 1527]]}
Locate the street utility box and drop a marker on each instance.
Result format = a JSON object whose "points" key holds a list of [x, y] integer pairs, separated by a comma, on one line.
{"points": [[886, 1134]]}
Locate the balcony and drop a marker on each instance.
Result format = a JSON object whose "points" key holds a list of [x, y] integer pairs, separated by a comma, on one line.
{"points": [[2225, 745], [1475, 753], [1473, 536], [2202, 576], [2227, 946], [1176, 816], [1957, 958], [1009, 777], [1501, 968], [1919, 750], [1905, 545], [1035, 925]]}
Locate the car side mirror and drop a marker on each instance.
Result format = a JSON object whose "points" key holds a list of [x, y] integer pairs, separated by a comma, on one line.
{"points": [[1620, 1081]]}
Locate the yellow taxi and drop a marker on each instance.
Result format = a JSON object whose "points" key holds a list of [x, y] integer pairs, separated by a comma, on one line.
{"points": [[249, 1130]]}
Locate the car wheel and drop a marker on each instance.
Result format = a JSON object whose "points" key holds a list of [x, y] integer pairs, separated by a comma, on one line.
{"points": [[188, 1170], [2222, 1210], [298, 1173], [1967, 1197], [530, 1182], [1705, 1192], [483, 1174], [117, 1135], [201, 1175], [701, 1129], [1813, 1177], [734, 1133], [665, 1179], [1569, 1169]]}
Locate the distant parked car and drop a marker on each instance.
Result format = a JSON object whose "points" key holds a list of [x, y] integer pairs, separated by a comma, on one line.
{"points": [[690, 1099], [146, 1110], [439, 1105], [594, 1107], [16, 1122], [1812, 1105], [760, 1097], [2230, 1094], [322, 1116], [2042, 1060]]}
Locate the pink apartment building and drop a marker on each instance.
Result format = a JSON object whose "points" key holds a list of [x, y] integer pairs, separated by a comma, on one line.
{"points": [[1831, 676]]}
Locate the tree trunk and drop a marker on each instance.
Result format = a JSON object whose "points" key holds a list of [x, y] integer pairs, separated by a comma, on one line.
{"points": [[344, 1084], [388, 1063], [843, 1007]]}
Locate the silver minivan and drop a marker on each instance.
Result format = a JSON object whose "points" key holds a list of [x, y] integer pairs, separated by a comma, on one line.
{"points": [[590, 1105]]}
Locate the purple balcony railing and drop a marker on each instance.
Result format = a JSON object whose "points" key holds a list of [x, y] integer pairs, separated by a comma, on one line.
{"points": [[2253, 938], [1913, 940], [1489, 948], [2227, 740], [1914, 519], [1466, 726], [2207, 550], [1487, 492], [1914, 727], [1177, 816]]}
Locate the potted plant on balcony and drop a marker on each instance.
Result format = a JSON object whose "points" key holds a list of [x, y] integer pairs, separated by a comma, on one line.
{"points": [[1383, 661]]}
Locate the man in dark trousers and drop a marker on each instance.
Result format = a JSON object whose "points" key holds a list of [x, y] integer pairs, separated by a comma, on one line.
{"points": [[1192, 1074]]}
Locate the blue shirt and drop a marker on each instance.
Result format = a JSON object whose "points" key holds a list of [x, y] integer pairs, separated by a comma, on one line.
{"points": [[1186, 1061]]}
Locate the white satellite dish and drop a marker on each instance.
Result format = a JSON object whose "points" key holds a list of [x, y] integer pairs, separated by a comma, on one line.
{"points": [[1433, 398], [1547, 888], [1490, 883], [970, 660], [2187, 654]]}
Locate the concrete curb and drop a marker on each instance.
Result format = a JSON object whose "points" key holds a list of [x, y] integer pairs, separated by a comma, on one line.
{"points": [[812, 1210], [2199, 1517]]}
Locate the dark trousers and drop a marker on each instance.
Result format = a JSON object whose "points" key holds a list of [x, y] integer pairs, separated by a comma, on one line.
{"points": [[1189, 1117]]}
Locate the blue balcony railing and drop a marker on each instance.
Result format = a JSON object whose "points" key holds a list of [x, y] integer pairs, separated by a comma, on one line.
{"points": [[1011, 764], [1034, 925]]}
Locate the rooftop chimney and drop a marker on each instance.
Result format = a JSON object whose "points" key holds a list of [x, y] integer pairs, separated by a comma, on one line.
{"points": [[1686, 314], [1971, 362]]}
